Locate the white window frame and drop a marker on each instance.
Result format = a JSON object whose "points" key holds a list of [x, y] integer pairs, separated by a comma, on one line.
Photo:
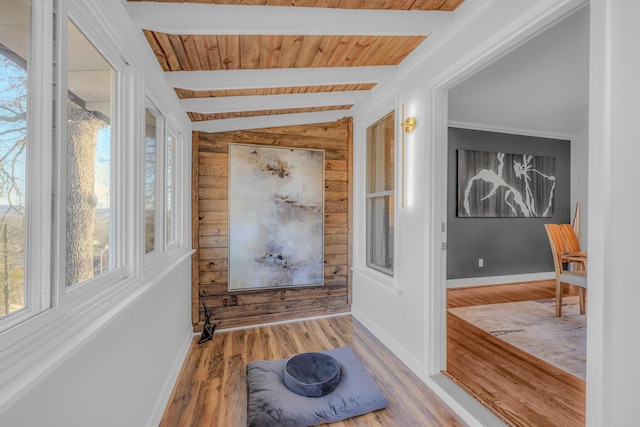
{"points": [[161, 132], [375, 195], [162, 248], [85, 290], [362, 123], [37, 267], [175, 213]]}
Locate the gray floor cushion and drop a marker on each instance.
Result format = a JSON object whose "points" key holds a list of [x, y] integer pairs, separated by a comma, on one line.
{"points": [[271, 403], [312, 374]]}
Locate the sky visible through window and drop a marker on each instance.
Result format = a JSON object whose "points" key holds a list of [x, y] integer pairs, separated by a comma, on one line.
{"points": [[13, 133]]}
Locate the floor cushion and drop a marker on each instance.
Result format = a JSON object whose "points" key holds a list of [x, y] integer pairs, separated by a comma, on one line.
{"points": [[271, 403], [312, 374]]}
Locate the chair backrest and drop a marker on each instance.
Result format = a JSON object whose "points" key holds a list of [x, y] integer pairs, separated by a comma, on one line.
{"points": [[572, 244], [570, 238], [556, 241]]}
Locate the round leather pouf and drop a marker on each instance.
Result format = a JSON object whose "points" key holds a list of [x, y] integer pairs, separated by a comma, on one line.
{"points": [[312, 374]]}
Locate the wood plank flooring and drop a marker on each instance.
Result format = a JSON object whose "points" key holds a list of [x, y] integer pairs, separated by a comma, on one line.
{"points": [[518, 387], [211, 388]]}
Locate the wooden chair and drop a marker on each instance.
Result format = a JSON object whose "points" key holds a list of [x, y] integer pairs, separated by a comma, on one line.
{"points": [[577, 278]]}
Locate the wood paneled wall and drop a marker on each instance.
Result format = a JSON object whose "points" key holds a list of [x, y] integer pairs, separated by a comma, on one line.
{"points": [[211, 235]]}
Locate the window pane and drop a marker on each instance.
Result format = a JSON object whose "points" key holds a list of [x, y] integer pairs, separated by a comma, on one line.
{"points": [[380, 194], [14, 48], [380, 233], [380, 155], [170, 198], [89, 164], [150, 141]]}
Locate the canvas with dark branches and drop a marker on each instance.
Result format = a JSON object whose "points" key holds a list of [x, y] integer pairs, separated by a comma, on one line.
{"points": [[276, 217], [492, 184]]}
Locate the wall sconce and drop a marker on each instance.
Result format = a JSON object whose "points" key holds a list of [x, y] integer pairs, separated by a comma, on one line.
{"points": [[408, 126]]}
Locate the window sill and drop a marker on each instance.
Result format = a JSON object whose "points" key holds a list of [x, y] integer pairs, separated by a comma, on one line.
{"points": [[380, 279]]}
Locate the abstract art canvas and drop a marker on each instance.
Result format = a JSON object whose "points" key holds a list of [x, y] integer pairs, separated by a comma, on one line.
{"points": [[276, 217], [494, 184]]}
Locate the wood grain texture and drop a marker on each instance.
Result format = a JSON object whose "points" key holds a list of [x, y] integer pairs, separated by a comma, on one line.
{"points": [[185, 93], [196, 117], [246, 52], [518, 387], [211, 388], [444, 5], [242, 308]]}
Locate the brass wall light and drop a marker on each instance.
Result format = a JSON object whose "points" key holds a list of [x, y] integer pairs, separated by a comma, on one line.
{"points": [[408, 126]]}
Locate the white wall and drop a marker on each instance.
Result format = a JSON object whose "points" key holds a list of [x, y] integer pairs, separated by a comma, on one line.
{"points": [[613, 345], [123, 374]]}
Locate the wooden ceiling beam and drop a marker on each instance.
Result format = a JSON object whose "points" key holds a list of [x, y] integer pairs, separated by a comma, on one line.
{"points": [[277, 77], [197, 18], [271, 102], [260, 122]]}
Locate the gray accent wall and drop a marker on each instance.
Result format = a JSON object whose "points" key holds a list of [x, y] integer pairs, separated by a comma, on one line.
{"points": [[507, 246]]}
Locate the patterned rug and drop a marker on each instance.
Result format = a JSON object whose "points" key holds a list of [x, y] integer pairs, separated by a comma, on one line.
{"points": [[533, 327]]}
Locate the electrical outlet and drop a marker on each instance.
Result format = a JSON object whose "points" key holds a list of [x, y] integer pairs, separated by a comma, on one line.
{"points": [[480, 262]]}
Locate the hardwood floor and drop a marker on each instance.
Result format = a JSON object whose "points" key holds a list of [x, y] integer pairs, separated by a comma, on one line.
{"points": [[518, 387], [211, 388]]}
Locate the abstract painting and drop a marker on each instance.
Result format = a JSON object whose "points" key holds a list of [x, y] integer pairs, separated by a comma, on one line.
{"points": [[276, 217], [494, 184]]}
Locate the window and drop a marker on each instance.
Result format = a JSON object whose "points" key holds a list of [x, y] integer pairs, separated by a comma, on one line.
{"points": [[170, 196], [71, 174], [152, 136], [90, 214], [161, 147], [14, 122], [380, 194]]}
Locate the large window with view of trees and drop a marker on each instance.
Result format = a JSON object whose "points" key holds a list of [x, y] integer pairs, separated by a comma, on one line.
{"points": [[380, 190], [90, 80], [14, 104], [76, 185]]}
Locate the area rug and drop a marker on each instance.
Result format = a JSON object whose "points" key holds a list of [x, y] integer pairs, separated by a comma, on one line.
{"points": [[533, 327]]}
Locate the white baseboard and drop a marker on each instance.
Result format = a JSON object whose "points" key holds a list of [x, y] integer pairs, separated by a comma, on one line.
{"points": [[498, 280], [416, 366], [172, 377]]}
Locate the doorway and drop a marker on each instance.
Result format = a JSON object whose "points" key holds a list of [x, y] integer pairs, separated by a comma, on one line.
{"points": [[486, 100]]}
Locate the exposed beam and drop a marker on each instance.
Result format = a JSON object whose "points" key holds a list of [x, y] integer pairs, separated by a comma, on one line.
{"points": [[194, 18], [225, 104], [277, 77], [258, 122]]}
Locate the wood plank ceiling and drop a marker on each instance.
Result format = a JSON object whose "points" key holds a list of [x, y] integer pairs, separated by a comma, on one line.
{"points": [[241, 64]]}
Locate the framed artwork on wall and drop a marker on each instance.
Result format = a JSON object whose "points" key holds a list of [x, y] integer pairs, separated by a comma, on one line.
{"points": [[492, 184], [276, 217]]}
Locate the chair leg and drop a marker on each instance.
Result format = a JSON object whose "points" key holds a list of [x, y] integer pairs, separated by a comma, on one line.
{"points": [[582, 305], [558, 298]]}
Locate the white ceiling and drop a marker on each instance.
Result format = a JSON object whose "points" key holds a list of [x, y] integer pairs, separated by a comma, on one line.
{"points": [[542, 86]]}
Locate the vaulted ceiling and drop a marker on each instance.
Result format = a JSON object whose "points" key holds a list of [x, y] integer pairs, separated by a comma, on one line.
{"points": [[239, 64]]}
